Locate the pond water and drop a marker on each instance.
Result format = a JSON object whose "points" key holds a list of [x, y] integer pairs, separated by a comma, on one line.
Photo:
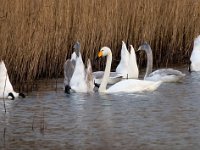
{"points": [[168, 118]]}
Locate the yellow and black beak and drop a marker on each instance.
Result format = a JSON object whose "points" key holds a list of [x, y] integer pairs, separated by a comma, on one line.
{"points": [[100, 54]]}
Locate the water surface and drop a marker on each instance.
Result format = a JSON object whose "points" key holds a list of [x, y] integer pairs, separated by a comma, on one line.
{"points": [[168, 118]]}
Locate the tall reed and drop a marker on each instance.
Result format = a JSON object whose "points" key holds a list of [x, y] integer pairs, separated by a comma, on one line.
{"points": [[36, 36]]}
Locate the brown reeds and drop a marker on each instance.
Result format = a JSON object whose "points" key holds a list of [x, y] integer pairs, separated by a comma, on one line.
{"points": [[36, 35]]}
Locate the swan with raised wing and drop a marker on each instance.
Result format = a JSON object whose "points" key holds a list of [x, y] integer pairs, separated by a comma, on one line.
{"points": [[77, 78], [164, 75], [69, 66], [82, 79], [129, 85]]}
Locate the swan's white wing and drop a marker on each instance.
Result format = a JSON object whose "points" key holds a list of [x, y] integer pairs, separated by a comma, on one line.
{"points": [[68, 71], [5, 81], [78, 82], [133, 71], [89, 76], [195, 56], [133, 85], [122, 68], [166, 75]]}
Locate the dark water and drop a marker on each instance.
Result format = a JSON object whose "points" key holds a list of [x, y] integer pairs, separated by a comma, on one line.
{"points": [[168, 118]]}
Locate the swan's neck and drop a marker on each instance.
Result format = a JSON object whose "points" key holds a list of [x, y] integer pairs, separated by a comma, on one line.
{"points": [[149, 63], [106, 75]]}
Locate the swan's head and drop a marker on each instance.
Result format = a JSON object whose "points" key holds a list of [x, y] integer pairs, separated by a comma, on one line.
{"points": [[77, 48], [145, 47], [104, 52]]}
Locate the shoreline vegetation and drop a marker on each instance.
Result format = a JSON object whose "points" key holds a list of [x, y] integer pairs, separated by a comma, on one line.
{"points": [[37, 36]]}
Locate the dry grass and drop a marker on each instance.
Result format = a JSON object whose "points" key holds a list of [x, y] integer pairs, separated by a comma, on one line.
{"points": [[35, 36]]}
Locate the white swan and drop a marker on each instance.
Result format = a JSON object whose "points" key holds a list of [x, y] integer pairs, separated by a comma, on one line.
{"points": [[6, 89], [164, 75], [76, 77], [195, 56], [129, 85], [127, 67]]}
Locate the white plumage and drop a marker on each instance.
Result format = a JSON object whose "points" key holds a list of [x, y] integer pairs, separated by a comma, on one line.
{"points": [[129, 85], [5, 84], [195, 56]]}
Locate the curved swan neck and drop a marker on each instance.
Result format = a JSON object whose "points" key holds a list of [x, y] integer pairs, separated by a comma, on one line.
{"points": [[149, 62], [106, 75]]}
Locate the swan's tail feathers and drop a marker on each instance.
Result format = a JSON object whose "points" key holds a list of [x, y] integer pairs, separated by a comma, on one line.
{"points": [[11, 96], [67, 89], [181, 77], [22, 95], [155, 85]]}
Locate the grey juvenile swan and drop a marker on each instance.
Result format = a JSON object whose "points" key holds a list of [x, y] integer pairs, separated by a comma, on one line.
{"points": [[77, 78], [164, 75]]}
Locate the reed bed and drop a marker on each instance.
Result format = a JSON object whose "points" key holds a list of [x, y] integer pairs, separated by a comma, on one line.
{"points": [[37, 36]]}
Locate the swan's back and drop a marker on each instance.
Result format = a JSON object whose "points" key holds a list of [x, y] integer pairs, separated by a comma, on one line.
{"points": [[133, 85], [133, 71], [122, 68], [195, 56], [166, 75]]}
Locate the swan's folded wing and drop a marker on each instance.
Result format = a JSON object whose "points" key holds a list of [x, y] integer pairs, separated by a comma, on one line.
{"points": [[99, 75], [168, 71], [166, 75]]}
